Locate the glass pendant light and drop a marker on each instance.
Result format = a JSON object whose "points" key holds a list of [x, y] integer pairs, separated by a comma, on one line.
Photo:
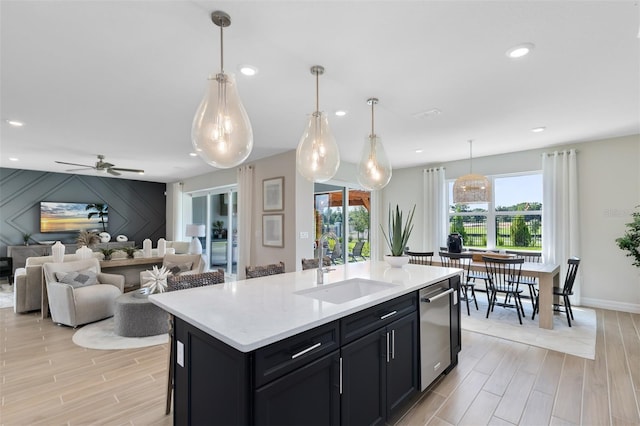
{"points": [[221, 133], [317, 156], [374, 168], [471, 188]]}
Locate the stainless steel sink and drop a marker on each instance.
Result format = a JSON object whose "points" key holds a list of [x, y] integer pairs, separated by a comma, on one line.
{"points": [[345, 291]]}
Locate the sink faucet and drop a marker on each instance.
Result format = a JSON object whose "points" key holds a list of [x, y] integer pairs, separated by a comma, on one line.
{"points": [[321, 270]]}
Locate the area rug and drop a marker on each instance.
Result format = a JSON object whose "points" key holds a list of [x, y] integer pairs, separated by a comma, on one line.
{"points": [[6, 296], [100, 335], [578, 340]]}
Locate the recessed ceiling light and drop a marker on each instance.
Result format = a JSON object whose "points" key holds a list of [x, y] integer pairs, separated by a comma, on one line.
{"points": [[418, 151], [538, 129], [13, 159], [15, 123], [520, 50], [248, 70], [193, 154], [341, 113]]}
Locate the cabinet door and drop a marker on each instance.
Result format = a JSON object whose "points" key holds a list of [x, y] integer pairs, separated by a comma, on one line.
{"points": [[210, 380], [309, 395], [402, 365], [364, 380]]}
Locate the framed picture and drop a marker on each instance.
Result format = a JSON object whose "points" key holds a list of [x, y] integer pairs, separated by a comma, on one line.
{"points": [[273, 194], [273, 230]]}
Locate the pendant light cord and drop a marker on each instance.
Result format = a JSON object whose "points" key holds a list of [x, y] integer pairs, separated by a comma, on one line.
{"points": [[221, 50], [372, 132], [317, 92]]}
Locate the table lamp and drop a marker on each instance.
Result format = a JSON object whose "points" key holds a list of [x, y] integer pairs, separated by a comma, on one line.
{"points": [[195, 231]]}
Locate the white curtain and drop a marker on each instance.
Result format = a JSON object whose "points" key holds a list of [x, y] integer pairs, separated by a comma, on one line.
{"points": [[435, 209], [560, 220], [245, 215]]}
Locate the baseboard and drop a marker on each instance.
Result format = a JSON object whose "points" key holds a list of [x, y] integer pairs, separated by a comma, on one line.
{"points": [[633, 308]]}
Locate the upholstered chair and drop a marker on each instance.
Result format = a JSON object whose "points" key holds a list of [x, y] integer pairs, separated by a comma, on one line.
{"points": [[79, 293], [28, 283]]}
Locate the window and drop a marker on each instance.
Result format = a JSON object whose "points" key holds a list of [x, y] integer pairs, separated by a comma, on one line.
{"points": [[511, 221]]}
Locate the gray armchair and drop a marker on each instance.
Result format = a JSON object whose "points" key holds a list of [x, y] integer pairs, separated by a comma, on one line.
{"points": [[79, 293]]}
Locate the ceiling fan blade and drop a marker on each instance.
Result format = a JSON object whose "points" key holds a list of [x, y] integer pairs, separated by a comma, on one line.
{"points": [[104, 165], [77, 170], [127, 170], [75, 164], [112, 172]]}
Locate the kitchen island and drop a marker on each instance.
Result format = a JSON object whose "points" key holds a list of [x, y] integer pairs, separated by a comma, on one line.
{"points": [[282, 349]]}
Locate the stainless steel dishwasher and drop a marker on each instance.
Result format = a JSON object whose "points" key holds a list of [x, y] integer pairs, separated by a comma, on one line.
{"points": [[435, 331]]}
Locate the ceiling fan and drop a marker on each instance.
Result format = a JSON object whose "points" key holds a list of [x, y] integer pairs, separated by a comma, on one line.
{"points": [[102, 166]]}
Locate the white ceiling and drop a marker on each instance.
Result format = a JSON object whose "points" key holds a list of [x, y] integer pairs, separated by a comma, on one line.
{"points": [[124, 78]]}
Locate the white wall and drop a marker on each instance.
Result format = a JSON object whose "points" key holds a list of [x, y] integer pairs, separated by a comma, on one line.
{"points": [[609, 188]]}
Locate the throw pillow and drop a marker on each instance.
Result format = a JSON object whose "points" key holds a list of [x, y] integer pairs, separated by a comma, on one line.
{"points": [[176, 268], [77, 279]]}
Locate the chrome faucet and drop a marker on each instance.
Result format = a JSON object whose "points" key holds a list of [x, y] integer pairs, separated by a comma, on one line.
{"points": [[321, 270]]}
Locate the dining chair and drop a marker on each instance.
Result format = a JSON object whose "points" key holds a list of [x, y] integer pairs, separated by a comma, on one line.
{"points": [[565, 291], [503, 277], [264, 270], [530, 282], [182, 282], [420, 257], [462, 261], [312, 263]]}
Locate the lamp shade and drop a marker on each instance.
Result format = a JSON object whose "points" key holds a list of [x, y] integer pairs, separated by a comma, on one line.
{"points": [[471, 188], [195, 230]]}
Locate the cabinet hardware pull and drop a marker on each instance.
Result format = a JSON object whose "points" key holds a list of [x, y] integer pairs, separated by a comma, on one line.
{"points": [[304, 351], [387, 347], [340, 375], [393, 344], [433, 299], [390, 314]]}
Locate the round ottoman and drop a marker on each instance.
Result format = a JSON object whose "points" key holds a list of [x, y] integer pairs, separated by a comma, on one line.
{"points": [[138, 317]]}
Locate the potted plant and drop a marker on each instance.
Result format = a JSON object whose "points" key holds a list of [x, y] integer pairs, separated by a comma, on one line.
{"points": [[630, 241], [107, 252], [397, 236], [26, 237], [218, 227], [87, 238], [130, 251]]}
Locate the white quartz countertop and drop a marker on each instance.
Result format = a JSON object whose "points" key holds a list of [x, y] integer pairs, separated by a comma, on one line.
{"points": [[250, 314]]}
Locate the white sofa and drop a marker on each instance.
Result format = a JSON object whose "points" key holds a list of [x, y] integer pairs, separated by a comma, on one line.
{"points": [[189, 263], [27, 282]]}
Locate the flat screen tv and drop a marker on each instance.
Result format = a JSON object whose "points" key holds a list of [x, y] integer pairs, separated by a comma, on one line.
{"points": [[72, 217]]}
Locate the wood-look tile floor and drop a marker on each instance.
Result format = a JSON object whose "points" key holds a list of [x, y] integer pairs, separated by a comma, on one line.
{"points": [[48, 380]]}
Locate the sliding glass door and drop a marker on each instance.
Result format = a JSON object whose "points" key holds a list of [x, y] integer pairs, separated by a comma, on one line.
{"points": [[218, 211]]}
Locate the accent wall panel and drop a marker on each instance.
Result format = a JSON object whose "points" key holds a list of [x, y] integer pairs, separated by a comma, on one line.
{"points": [[137, 209]]}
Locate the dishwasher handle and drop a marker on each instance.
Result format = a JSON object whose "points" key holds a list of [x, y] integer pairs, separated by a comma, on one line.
{"points": [[436, 297]]}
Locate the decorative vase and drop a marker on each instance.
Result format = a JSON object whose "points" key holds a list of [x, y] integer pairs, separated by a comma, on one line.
{"points": [[162, 247], [122, 238], [57, 251], [146, 248], [105, 237], [396, 261], [84, 252]]}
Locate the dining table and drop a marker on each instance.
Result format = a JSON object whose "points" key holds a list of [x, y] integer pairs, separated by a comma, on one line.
{"points": [[548, 275]]}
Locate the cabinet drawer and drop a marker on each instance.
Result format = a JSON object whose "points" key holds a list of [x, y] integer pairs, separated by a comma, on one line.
{"points": [[361, 323], [280, 358]]}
